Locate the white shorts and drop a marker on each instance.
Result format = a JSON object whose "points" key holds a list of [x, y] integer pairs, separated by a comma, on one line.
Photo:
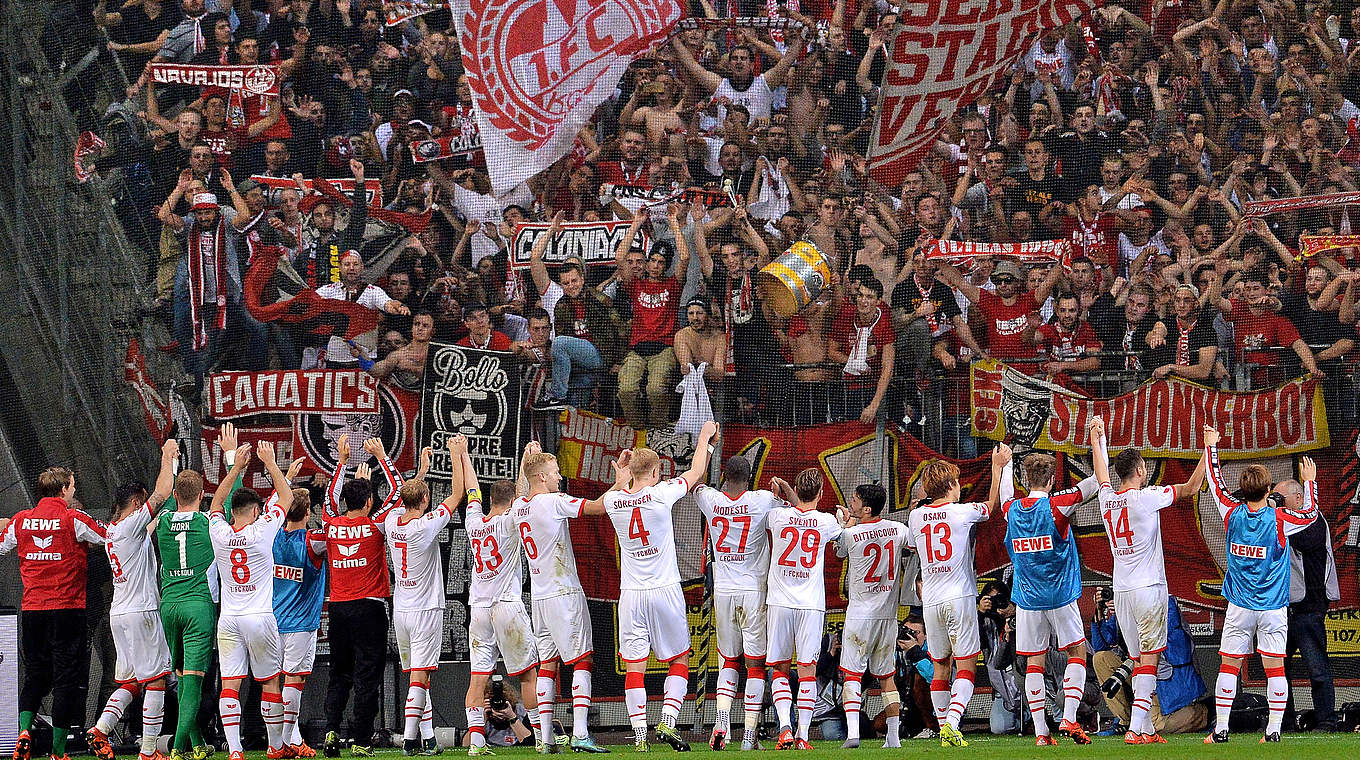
{"points": [[739, 620], [562, 628], [299, 652], [1141, 614], [871, 644], [794, 631], [653, 620], [420, 636], [139, 640], [1034, 629], [952, 629], [249, 645], [501, 630], [1270, 628]]}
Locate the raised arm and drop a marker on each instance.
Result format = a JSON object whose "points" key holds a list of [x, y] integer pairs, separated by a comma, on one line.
{"points": [[224, 488], [1100, 458], [165, 479], [375, 447], [698, 466], [1222, 497], [706, 79], [470, 484], [626, 244], [622, 477], [1196, 480], [1001, 461], [337, 484], [282, 491], [1292, 521], [537, 269]]}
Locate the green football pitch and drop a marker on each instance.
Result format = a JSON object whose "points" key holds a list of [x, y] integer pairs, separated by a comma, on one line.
{"points": [[982, 747]]}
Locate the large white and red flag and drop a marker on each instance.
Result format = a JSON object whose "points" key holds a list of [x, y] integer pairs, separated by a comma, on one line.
{"points": [[944, 55], [539, 69]]}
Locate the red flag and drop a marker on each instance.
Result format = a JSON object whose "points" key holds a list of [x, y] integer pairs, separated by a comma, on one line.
{"points": [[308, 310], [942, 58]]}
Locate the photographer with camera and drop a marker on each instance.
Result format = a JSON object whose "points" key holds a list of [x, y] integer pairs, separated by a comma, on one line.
{"points": [[1176, 708], [996, 628], [507, 722], [912, 679]]}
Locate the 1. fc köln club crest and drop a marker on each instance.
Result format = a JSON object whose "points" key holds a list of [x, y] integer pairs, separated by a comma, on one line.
{"points": [[531, 62]]}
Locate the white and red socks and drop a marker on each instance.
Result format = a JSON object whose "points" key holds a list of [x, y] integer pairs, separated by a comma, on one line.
{"points": [[427, 718], [783, 698], [292, 703], [1144, 681], [892, 706], [939, 698], [476, 721], [807, 697], [677, 683], [1277, 693], [1074, 684], [755, 700], [153, 716], [635, 698], [229, 706], [852, 701], [416, 694], [114, 708], [271, 710], [1034, 695], [1225, 691], [580, 702], [960, 696], [727, 694], [547, 692]]}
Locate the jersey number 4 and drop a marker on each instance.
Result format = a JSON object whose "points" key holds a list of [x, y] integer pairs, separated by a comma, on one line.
{"points": [[810, 541]]}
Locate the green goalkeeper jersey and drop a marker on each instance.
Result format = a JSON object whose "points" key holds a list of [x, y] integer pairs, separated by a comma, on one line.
{"points": [[186, 556]]}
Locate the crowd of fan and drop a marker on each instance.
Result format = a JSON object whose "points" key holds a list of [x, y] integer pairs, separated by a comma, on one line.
{"points": [[1140, 143]]}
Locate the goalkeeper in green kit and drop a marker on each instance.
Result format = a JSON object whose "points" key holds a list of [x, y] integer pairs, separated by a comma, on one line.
{"points": [[188, 609]]}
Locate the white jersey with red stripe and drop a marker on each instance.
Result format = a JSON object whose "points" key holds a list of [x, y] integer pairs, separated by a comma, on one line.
{"points": [[642, 522], [736, 533], [245, 560], [541, 522], [413, 547], [874, 551], [132, 561], [798, 541], [1133, 526], [496, 572], [942, 535]]}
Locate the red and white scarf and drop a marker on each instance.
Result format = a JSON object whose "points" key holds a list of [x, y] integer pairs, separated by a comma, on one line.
{"points": [[198, 285], [1183, 342]]}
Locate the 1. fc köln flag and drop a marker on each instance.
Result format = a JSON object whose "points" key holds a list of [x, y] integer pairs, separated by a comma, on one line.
{"points": [[944, 55], [538, 70]]}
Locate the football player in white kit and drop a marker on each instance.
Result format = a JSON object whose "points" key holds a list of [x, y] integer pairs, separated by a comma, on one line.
{"points": [[1133, 526], [499, 625], [735, 520], [134, 618], [248, 641], [941, 532], [560, 616], [874, 548], [418, 588], [796, 598], [652, 617]]}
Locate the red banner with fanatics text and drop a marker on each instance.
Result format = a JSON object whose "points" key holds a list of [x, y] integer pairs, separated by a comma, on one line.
{"points": [[328, 391], [1161, 418]]}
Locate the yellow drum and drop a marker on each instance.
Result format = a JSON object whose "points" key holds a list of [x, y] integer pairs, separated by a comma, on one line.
{"points": [[795, 279]]}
